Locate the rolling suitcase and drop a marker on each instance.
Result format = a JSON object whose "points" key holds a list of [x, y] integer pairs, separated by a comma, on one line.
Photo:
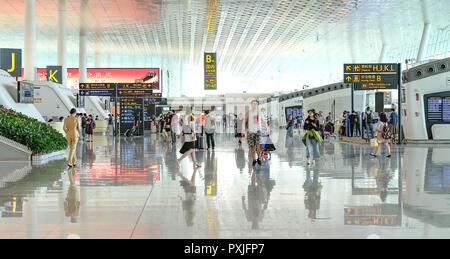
{"points": [[200, 142]]}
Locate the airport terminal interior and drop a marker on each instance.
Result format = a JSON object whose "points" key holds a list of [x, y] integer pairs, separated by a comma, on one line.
{"points": [[224, 119]]}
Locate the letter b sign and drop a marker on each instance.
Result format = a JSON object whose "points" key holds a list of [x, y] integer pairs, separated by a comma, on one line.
{"points": [[11, 61]]}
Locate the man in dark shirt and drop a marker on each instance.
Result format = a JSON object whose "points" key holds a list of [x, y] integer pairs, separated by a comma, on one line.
{"points": [[358, 125], [83, 126], [352, 119]]}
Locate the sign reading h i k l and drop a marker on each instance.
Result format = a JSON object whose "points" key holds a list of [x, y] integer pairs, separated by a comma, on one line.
{"points": [[372, 76], [11, 61], [54, 74]]}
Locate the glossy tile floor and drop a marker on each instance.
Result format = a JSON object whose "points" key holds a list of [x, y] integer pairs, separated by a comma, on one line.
{"points": [[134, 190]]}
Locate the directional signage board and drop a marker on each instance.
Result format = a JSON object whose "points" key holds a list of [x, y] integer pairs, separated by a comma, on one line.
{"points": [[123, 90], [96, 93], [210, 71], [372, 76], [97, 86], [134, 86], [370, 68], [137, 93], [372, 81], [136, 90], [97, 89]]}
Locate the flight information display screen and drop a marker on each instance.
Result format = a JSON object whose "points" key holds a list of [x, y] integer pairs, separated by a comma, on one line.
{"points": [[446, 109], [438, 109], [434, 108], [129, 109]]}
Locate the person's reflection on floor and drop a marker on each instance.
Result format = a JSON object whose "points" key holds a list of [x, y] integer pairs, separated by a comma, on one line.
{"points": [[239, 155], [328, 148], [383, 176], [170, 155], [91, 154], [209, 164], [288, 142], [313, 189], [72, 202], [291, 155], [257, 200], [268, 183], [211, 174], [190, 191], [200, 156]]}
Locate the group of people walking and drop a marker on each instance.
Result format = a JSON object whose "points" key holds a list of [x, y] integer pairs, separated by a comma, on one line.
{"points": [[255, 127]]}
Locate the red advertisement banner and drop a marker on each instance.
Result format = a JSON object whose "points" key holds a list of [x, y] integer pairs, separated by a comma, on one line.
{"points": [[109, 75]]}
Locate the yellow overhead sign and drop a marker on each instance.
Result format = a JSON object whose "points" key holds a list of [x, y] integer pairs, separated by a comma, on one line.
{"points": [[100, 86], [371, 68]]}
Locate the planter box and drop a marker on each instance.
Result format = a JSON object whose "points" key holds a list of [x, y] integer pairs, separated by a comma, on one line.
{"points": [[39, 159]]}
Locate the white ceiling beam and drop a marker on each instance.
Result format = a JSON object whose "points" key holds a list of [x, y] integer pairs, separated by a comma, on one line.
{"points": [[237, 18], [244, 34], [288, 31], [193, 28], [179, 18], [169, 40], [269, 37], [223, 16], [156, 39], [250, 48]]}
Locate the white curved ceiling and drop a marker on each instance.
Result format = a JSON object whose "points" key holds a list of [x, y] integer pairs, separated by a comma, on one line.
{"points": [[251, 37]]}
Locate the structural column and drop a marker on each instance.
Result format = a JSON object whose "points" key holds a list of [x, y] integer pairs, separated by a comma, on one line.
{"points": [[82, 51], [62, 40], [30, 40], [425, 33]]}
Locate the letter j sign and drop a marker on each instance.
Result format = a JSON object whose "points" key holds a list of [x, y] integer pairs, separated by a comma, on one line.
{"points": [[54, 74], [11, 61]]}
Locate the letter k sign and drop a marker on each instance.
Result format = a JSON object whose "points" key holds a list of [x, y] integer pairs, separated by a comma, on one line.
{"points": [[54, 74]]}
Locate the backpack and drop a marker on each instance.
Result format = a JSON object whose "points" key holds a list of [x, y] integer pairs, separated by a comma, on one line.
{"points": [[385, 133], [94, 124], [369, 118]]}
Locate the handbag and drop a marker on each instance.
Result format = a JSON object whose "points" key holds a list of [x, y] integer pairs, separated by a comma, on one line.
{"points": [[374, 142]]}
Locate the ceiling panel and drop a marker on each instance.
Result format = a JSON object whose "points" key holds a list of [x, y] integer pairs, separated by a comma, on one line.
{"points": [[249, 36]]}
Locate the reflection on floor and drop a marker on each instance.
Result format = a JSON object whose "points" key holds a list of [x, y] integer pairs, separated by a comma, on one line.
{"points": [[133, 189]]}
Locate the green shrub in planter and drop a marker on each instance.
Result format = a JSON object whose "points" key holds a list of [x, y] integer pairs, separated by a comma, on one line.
{"points": [[39, 137]]}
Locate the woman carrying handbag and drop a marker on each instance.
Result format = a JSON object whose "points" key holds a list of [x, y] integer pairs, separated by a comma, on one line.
{"points": [[189, 138]]}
